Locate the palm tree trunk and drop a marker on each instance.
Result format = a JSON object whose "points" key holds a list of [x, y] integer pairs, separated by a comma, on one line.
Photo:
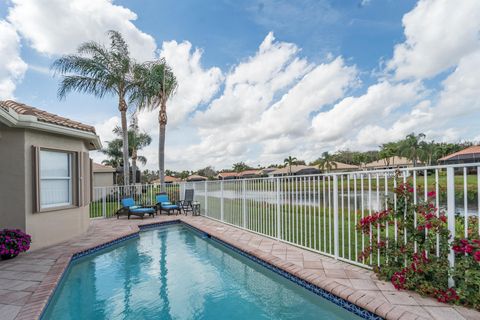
{"points": [[123, 111], [162, 119], [134, 166]]}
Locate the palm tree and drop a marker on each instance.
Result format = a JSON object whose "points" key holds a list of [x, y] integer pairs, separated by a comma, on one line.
{"points": [[114, 153], [100, 70], [289, 162], [157, 85], [327, 163], [388, 151], [410, 147], [136, 141]]}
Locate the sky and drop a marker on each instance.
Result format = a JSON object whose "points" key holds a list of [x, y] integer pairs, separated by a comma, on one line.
{"points": [[260, 80]]}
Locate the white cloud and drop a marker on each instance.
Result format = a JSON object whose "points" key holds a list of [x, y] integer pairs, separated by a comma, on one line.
{"points": [[12, 67], [58, 27], [438, 34]]}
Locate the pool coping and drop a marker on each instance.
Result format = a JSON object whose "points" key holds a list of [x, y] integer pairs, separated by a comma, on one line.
{"points": [[250, 254], [38, 301]]}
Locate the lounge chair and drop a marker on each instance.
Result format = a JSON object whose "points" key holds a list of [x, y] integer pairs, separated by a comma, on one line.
{"points": [[129, 208], [188, 204], [164, 204]]}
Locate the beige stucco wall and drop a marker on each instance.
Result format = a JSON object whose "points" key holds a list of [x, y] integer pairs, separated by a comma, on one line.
{"points": [[47, 228], [12, 178], [102, 179]]}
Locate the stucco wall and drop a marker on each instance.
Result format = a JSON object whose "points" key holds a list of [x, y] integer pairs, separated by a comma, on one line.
{"points": [[102, 179], [12, 178], [47, 228]]}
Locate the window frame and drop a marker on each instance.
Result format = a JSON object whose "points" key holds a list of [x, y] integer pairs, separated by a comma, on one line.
{"points": [[74, 180]]}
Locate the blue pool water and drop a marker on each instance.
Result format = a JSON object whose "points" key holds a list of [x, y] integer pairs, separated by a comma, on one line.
{"points": [[174, 273]]}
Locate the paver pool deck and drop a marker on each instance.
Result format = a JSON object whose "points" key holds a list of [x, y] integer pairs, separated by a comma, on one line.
{"points": [[27, 282]]}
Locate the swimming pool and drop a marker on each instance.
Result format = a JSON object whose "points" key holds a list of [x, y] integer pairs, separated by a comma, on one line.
{"points": [[173, 272]]}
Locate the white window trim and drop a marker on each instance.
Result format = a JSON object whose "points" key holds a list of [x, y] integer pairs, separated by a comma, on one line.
{"points": [[69, 179]]}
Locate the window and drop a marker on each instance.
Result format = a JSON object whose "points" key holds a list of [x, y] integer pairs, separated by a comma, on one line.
{"points": [[55, 179]]}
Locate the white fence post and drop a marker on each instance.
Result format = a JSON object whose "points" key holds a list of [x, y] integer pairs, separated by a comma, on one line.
{"points": [[104, 202], [206, 198], [244, 204], [278, 209], [335, 216], [451, 217], [221, 201]]}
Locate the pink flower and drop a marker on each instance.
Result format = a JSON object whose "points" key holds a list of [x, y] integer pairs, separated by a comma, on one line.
{"points": [[476, 255], [431, 194]]}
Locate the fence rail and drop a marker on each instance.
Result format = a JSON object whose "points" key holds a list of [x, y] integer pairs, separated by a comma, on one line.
{"points": [[321, 212]]}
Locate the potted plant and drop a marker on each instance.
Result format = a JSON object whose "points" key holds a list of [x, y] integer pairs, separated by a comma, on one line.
{"points": [[12, 242]]}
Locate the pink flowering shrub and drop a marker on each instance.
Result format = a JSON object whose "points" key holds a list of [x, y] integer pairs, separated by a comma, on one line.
{"points": [[415, 255], [13, 241]]}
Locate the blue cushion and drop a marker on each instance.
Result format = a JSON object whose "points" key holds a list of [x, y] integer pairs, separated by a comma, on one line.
{"points": [[128, 202], [162, 198], [171, 206], [142, 210]]}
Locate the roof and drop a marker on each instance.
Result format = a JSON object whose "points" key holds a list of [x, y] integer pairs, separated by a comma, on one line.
{"points": [[44, 116], [227, 174], [295, 169], [97, 167], [196, 177], [393, 161], [168, 179], [344, 166], [470, 152], [252, 172]]}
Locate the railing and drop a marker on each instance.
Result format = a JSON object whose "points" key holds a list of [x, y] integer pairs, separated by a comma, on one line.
{"points": [[107, 200], [321, 212]]}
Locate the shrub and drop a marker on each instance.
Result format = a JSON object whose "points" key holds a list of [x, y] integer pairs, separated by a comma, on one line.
{"points": [[12, 242]]}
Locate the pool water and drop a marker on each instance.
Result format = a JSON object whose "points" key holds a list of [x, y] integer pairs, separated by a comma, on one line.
{"points": [[172, 272]]}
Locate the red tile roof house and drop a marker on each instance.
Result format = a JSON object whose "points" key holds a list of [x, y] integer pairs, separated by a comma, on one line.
{"points": [[46, 175], [467, 155]]}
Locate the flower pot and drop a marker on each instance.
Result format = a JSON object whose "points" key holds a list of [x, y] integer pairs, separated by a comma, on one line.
{"points": [[8, 256]]}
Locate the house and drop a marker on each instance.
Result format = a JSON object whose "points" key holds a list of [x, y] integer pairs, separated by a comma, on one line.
{"points": [[343, 167], [103, 176], [389, 163], [250, 174], [227, 175], [168, 179], [467, 155], [195, 177], [296, 170], [46, 177]]}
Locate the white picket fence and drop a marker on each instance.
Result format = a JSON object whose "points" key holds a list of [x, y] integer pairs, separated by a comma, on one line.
{"points": [[320, 212]]}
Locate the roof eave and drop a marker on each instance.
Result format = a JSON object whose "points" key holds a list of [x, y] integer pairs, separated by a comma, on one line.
{"points": [[13, 119]]}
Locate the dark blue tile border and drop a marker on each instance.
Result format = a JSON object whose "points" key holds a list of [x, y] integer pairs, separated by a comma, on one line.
{"points": [[365, 314]]}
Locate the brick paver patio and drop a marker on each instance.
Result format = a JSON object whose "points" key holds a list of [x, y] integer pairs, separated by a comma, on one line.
{"points": [[27, 281]]}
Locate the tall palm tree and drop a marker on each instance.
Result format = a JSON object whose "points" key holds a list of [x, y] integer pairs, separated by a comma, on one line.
{"points": [[158, 84], [100, 70], [327, 163], [289, 162], [410, 147], [114, 153]]}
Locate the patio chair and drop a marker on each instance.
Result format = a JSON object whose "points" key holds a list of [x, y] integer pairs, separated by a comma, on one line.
{"points": [[164, 204], [188, 204], [129, 208]]}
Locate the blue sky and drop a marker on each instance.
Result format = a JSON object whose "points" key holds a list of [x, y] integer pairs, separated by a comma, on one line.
{"points": [[260, 80]]}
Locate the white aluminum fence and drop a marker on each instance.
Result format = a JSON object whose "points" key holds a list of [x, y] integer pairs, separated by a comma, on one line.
{"points": [[107, 200], [321, 212]]}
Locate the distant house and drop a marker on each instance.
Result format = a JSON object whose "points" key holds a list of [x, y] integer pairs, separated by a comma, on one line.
{"points": [[467, 155], [389, 163], [103, 176], [294, 170], [343, 167], [46, 175], [227, 175], [168, 179], [267, 171], [195, 177], [250, 173]]}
